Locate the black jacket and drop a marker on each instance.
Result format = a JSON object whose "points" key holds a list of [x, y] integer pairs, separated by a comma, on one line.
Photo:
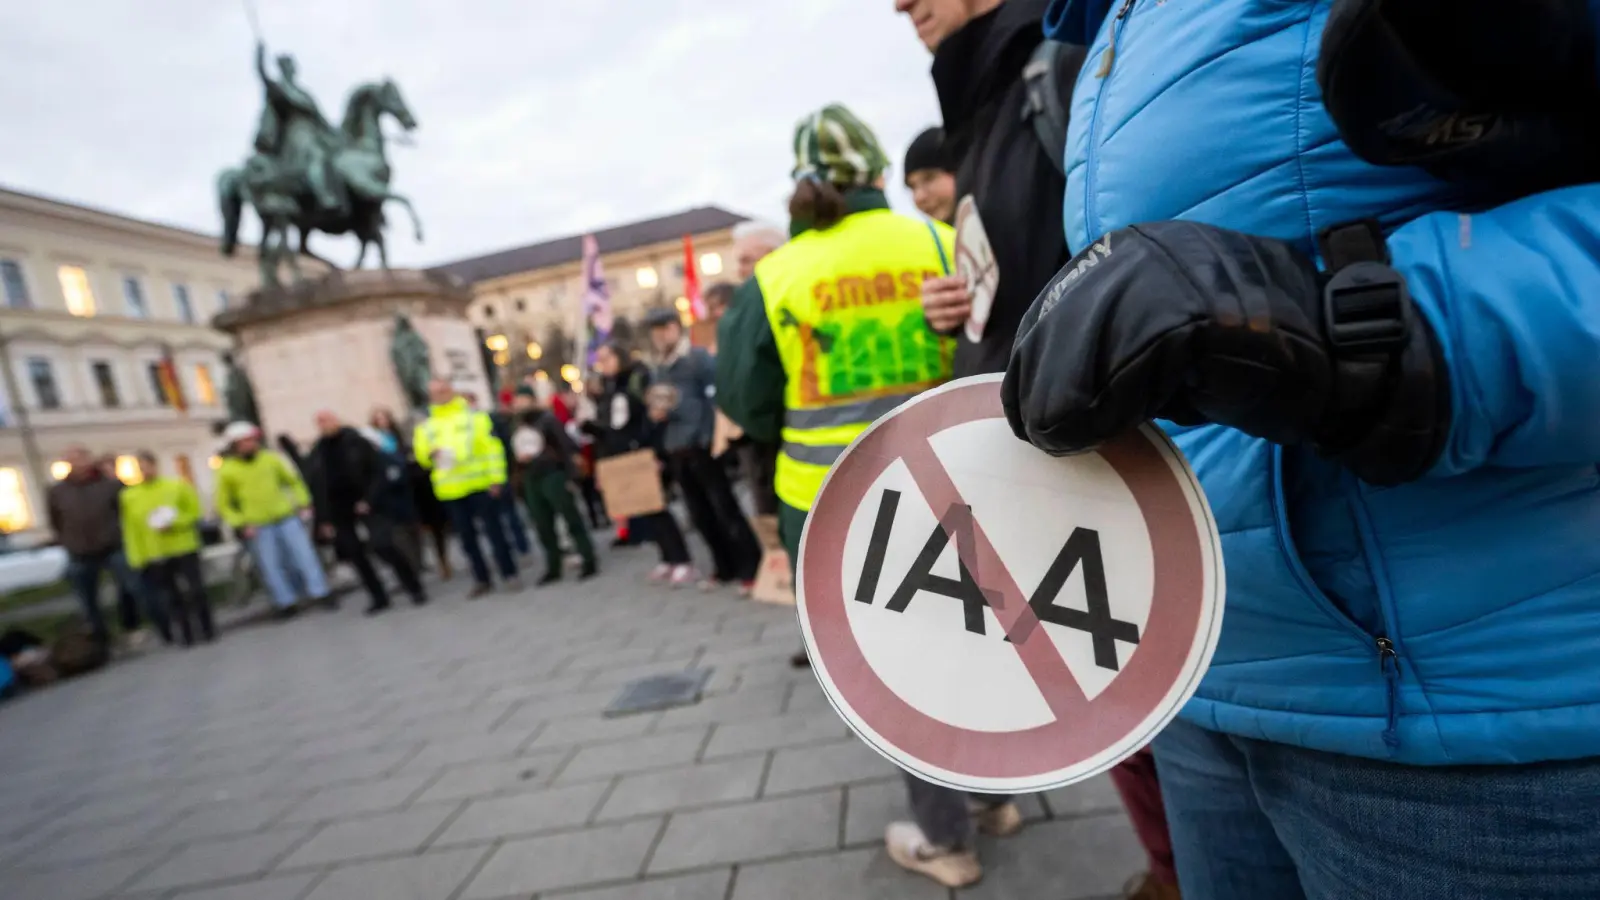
{"points": [[622, 422], [1000, 161], [557, 449], [345, 468]]}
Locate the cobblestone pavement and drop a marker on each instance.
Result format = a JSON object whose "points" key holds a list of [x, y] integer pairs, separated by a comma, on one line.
{"points": [[456, 752]]}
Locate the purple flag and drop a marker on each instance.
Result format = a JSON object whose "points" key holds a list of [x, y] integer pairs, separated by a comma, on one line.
{"points": [[596, 298]]}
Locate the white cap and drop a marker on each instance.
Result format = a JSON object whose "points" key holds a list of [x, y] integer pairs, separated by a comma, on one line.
{"points": [[238, 431]]}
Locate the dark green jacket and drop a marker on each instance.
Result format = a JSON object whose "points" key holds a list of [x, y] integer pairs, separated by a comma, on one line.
{"points": [[750, 376]]}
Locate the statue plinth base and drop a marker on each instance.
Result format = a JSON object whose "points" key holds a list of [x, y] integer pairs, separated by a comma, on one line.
{"points": [[325, 345]]}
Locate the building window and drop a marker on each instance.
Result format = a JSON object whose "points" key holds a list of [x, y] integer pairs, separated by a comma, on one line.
{"points": [[60, 469], [180, 298], [43, 378], [16, 288], [647, 277], [133, 298], [203, 386], [711, 263], [488, 311], [157, 385], [127, 469], [677, 270], [185, 468], [105, 381], [223, 300], [14, 513], [522, 305], [75, 288]]}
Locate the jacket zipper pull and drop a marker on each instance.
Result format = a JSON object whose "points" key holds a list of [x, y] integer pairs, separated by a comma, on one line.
{"points": [[1389, 662], [1110, 53]]}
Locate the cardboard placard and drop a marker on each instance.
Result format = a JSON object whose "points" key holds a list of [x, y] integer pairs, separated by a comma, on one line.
{"points": [[630, 484], [766, 529], [774, 583], [704, 334]]}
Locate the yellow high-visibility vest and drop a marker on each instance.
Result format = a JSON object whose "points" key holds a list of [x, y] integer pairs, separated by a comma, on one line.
{"points": [[845, 305], [471, 458]]}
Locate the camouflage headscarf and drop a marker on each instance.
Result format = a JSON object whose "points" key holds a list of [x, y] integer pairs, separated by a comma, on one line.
{"points": [[833, 145]]}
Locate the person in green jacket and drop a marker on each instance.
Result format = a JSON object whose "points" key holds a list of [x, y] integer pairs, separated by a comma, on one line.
{"points": [[546, 456], [264, 499], [162, 542]]}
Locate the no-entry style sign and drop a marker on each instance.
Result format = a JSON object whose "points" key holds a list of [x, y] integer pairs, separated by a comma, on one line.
{"points": [[996, 619]]}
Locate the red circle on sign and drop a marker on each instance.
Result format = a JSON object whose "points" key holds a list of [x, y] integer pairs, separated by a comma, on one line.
{"points": [[1094, 725]]}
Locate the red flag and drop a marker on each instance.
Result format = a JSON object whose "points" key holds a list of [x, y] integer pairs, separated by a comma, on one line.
{"points": [[691, 281]]}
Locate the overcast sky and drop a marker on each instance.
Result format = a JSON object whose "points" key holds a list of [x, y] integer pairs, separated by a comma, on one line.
{"points": [[537, 119]]}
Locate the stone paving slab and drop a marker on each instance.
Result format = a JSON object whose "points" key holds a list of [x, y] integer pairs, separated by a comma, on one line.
{"points": [[458, 752]]}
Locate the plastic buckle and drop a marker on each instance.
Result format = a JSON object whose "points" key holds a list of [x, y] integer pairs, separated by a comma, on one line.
{"points": [[1366, 308]]}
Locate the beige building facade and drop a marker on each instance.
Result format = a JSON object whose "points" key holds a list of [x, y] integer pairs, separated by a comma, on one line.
{"points": [[525, 296], [93, 308]]}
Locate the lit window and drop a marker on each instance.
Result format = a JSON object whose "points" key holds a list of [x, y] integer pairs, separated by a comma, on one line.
{"points": [[647, 277], [711, 263], [128, 470], [43, 378], [158, 385], [14, 514], [534, 350], [501, 358], [133, 298], [16, 287], [203, 387], [682, 303], [60, 469], [75, 288], [105, 382], [185, 469], [541, 375], [569, 373], [214, 463], [496, 342], [180, 299]]}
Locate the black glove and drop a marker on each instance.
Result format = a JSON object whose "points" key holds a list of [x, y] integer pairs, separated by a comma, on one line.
{"points": [[1183, 321]]}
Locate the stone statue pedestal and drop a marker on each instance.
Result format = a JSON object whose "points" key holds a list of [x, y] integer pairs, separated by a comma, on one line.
{"points": [[325, 345]]}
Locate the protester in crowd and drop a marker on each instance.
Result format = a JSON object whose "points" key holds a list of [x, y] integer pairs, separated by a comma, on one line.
{"points": [[85, 520], [1384, 377], [431, 518], [930, 176], [998, 82], [716, 297], [685, 381], [752, 241], [594, 504], [623, 425], [354, 488], [161, 538], [130, 614], [773, 379], [501, 421], [468, 466], [264, 499], [548, 457]]}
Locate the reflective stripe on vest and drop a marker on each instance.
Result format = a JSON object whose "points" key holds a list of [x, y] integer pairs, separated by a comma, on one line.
{"points": [[845, 308]]}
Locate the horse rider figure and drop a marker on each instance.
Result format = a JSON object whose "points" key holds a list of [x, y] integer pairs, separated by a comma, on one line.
{"points": [[293, 133]]}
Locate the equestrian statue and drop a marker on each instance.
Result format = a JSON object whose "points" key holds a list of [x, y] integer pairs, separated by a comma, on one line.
{"points": [[307, 175]]}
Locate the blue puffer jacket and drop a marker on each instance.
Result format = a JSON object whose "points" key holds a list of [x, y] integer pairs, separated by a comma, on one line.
{"points": [[1484, 576]]}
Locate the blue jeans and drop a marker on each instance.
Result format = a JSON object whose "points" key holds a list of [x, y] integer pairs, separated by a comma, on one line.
{"points": [[1252, 820], [507, 501], [83, 573], [283, 550], [466, 514]]}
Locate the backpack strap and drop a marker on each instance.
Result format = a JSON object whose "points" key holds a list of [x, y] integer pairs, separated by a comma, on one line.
{"points": [[1045, 106], [944, 260]]}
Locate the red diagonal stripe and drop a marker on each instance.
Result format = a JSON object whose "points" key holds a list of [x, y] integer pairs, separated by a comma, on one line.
{"points": [[1039, 655]]}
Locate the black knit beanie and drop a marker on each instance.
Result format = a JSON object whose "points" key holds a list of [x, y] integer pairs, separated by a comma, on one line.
{"points": [[927, 152]]}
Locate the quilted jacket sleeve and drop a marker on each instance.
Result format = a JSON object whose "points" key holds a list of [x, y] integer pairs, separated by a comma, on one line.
{"points": [[1514, 296]]}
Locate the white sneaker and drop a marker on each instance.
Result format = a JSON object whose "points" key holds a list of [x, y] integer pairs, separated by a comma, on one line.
{"points": [[682, 575], [909, 848], [661, 572]]}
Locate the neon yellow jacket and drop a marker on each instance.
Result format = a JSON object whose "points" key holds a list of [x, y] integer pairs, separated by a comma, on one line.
{"points": [[144, 544], [470, 458], [260, 490]]}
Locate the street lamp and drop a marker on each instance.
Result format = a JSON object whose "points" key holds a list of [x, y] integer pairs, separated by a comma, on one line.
{"points": [[496, 342], [569, 373], [534, 350]]}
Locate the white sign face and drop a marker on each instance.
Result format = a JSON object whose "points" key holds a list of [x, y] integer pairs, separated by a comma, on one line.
{"points": [[975, 261], [996, 619], [619, 412], [527, 444]]}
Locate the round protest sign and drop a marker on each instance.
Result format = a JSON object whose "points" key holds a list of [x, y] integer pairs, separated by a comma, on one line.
{"points": [[996, 619]]}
